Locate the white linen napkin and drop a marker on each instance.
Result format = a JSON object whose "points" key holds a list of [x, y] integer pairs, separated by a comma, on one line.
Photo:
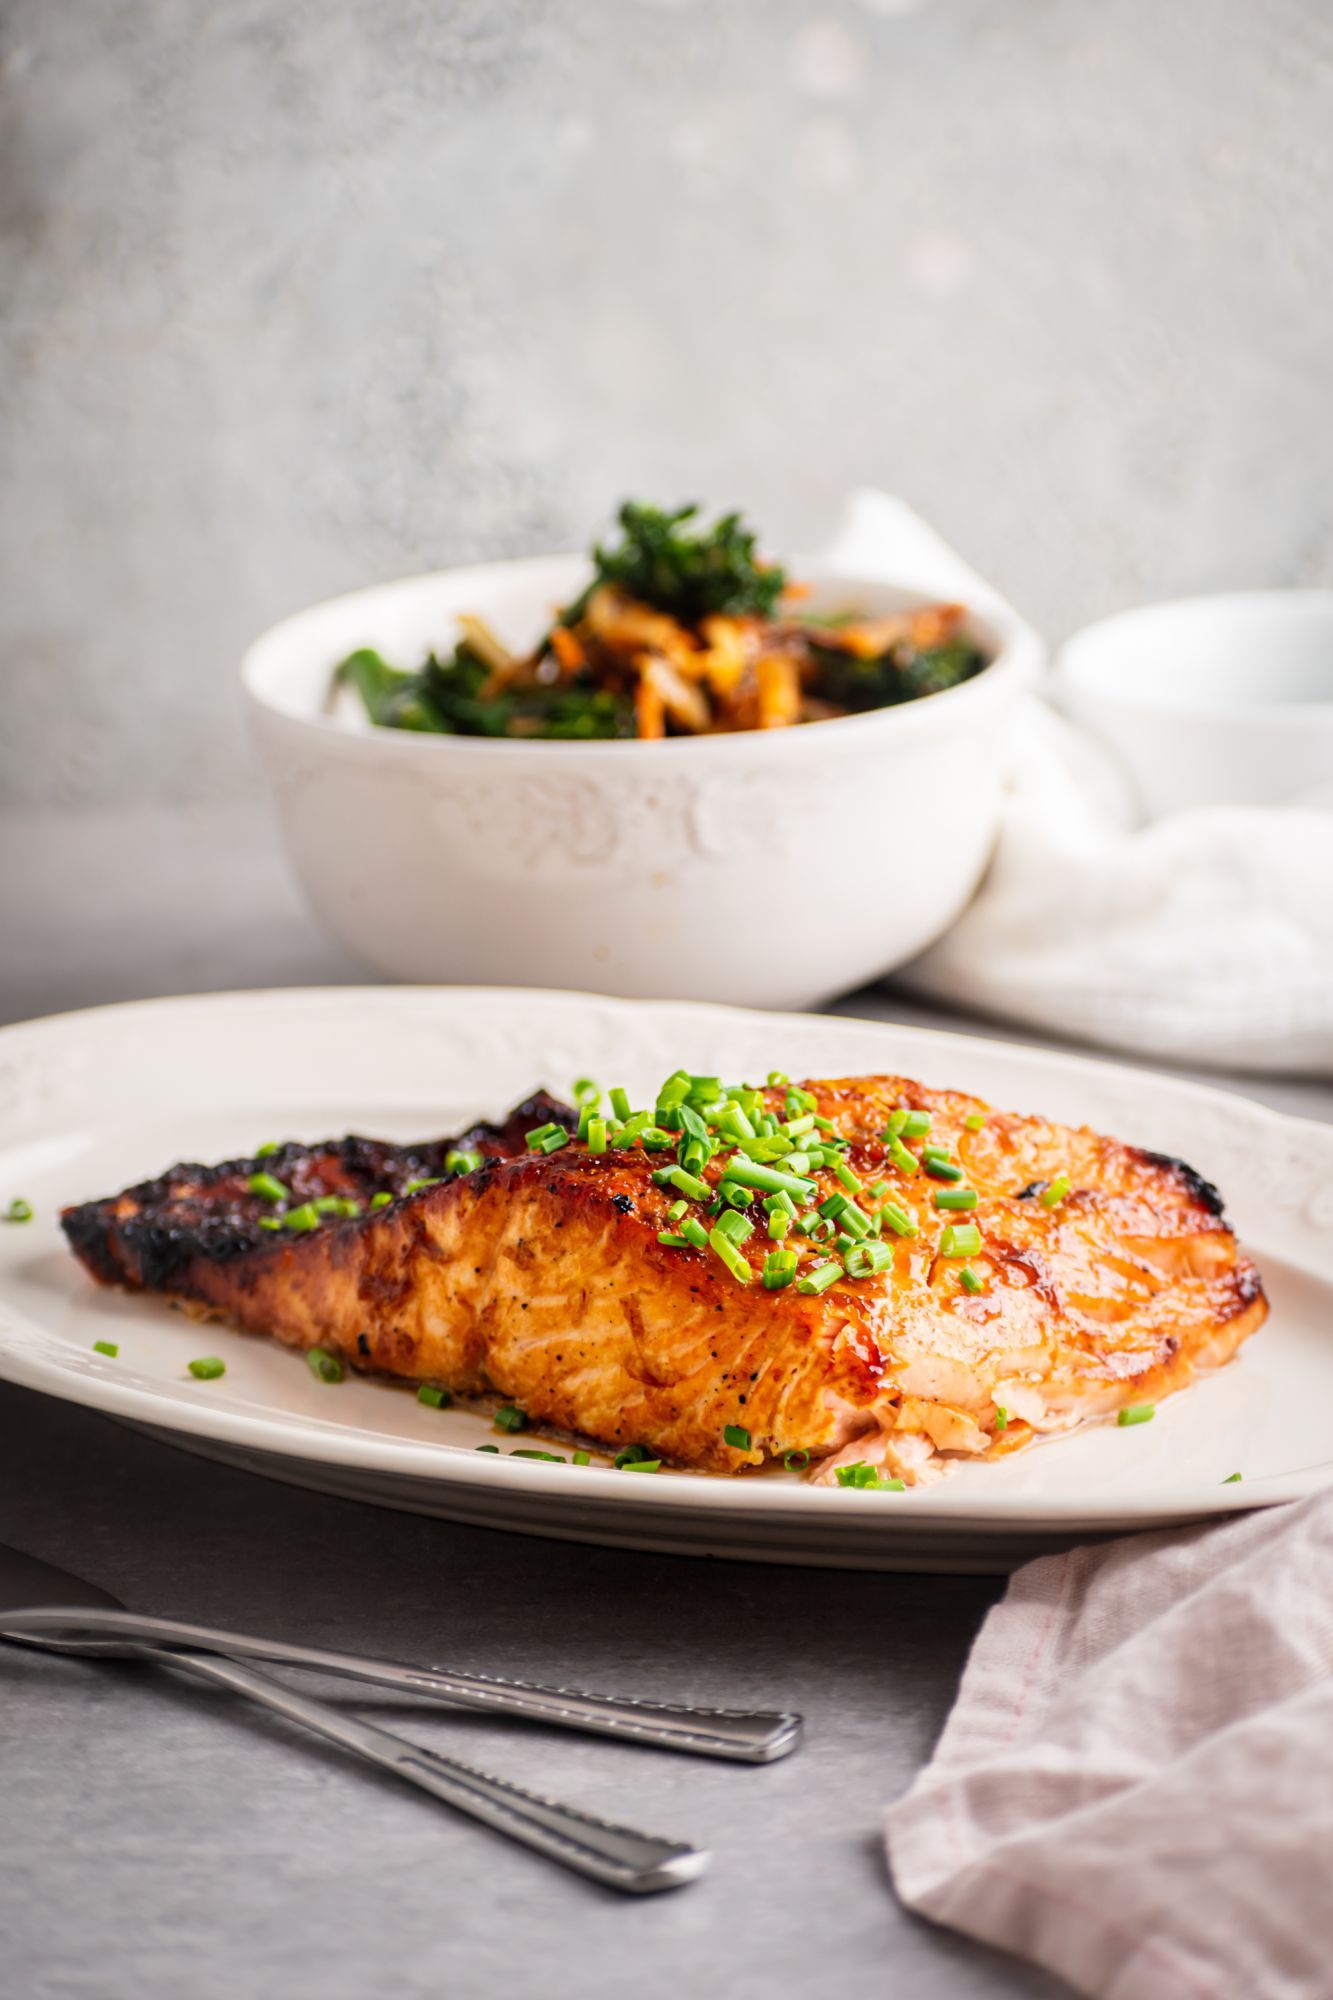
{"points": [[1205, 937], [1135, 1787]]}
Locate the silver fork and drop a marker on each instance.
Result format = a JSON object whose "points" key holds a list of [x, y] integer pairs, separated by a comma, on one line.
{"points": [[619, 1856]]}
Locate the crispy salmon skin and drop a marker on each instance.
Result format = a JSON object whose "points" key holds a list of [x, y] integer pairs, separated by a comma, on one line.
{"points": [[516, 1261]]}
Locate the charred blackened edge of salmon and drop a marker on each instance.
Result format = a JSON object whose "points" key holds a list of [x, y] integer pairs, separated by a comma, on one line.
{"points": [[1196, 1187], [148, 1235]]}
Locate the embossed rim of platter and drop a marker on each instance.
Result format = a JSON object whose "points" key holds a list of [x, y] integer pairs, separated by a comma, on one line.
{"points": [[1284, 1163]]}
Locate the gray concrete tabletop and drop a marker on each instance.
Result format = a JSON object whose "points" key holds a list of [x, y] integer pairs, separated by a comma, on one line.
{"points": [[157, 1841]]}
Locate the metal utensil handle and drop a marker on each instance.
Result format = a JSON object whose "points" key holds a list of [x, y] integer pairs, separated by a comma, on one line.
{"points": [[751, 1737], [617, 1855]]}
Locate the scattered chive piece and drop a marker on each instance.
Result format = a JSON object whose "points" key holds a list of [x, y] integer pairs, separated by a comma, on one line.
{"points": [[846, 1176], [778, 1080], [865, 1477], [738, 1227], [956, 1198], [620, 1105], [461, 1163], [276, 1221], [974, 1120], [969, 1280], [941, 1169], [779, 1270], [19, 1210], [731, 1256], [906, 1163], [643, 1465], [820, 1278], [631, 1455], [778, 1225], [1054, 1193], [1137, 1413], [546, 1138], [433, 1398], [380, 1200], [694, 1232], [583, 1458], [864, 1260], [796, 1461], [960, 1239], [269, 1186], [110, 1349], [551, 1457], [1231, 1479], [587, 1090], [304, 1217], [433, 1180], [899, 1220], [673, 1239], [916, 1125], [736, 1436], [597, 1135], [509, 1419], [327, 1367], [769, 1180], [487, 1447], [269, 1147], [207, 1368], [676, 1210], [687, 1184], [1001, 1417]]}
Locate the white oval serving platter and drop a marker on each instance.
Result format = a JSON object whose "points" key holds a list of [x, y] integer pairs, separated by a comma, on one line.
{"points": [[91, 1102]]}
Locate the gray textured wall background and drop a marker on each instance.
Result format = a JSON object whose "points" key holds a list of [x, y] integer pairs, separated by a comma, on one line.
{"points": [[296, 294]]}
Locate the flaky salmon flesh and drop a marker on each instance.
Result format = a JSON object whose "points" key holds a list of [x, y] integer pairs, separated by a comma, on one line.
{"points": [[1099, 1276]]}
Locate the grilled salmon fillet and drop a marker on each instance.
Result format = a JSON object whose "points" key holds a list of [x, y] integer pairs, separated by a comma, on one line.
{"points": [[1105, 1276]]}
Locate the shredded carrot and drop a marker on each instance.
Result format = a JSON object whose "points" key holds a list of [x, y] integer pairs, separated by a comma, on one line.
{"points": [[567, 649], [649, 710], [683, 701], [779, 690]]}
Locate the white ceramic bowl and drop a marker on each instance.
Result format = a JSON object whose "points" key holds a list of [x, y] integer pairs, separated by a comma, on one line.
{"points": [[1210, 700], [769, 868]]}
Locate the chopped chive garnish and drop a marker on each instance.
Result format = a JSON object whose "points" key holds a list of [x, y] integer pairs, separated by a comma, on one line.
{"points": [[906, 1163], [796, 1461], [893, 1130], [19, 1210], [958, 1198], [687, 1184], [207, 1368], [731, 1256], [916, 1125], [655, 1140], [900, 1220], [769, 1180], [487, 1447], [673, 1239], [304, 1217], [738, 1227], [587, 1090], [736, 1436], [778, 1079], [276, 1221], [676, 1210], [327, 1367], [551, 1457], [643, 1465], [433, 1398], [960, 1239], [1001, 1417], [1137, 1413], [107, 1347], [854, 1220], [582, 1458], [867, 1478], [269, 1147], [969, 1280], [779, 1270], [779, 1223], [508, 1418], [1055, 1191], [380, 1200], [975, 1120], [620, 1105], [941, 1169], [546, 1138], [1231, 1479], [865, 1260], [632, 1454], [456, 1162], [597, 1135], [846, 1176], [269, 1186], [820, 1277], [694, 1232]]}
